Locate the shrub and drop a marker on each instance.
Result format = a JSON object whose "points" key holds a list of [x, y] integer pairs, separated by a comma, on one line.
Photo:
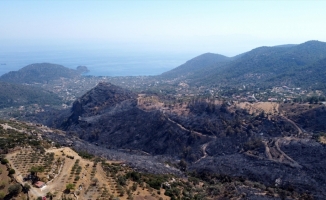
{"points": [[49, 195], [2, 195], [134, 186], [12, 171], [4, 161], [121, 180], [15, 189], [122, 192], [27, 187], [2, 185], [69, 187], [135, 176], [94, 180], [85, 155]]}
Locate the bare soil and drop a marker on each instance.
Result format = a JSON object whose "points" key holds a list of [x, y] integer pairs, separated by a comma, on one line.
{"points": [[85, 188], [255, 108]]}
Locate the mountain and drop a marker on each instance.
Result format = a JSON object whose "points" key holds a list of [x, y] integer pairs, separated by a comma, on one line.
{"points": [[108, 115], [286, 45], [196, 64], [19, 95], [211, 138], [309, 76], [263, 67], [41, 73]]}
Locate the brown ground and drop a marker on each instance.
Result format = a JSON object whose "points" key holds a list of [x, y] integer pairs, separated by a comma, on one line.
{"points": [[322, 139], [4, 178], [149, 102], [255, 108], [85, 187], [296, 108]]}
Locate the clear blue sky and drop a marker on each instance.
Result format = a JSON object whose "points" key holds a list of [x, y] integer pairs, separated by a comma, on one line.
{"points": [[226, 27]]}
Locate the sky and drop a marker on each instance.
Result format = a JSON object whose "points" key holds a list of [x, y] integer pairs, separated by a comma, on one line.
{"points": [[172, 26]]}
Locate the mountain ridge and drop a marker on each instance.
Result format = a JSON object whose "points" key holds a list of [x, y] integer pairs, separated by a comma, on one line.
{"points": [[40, 73], [195, 64], [257, 67]]}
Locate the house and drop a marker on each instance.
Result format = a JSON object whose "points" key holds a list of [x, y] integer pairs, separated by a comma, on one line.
{"points": [[39, 184], [272, 99]]}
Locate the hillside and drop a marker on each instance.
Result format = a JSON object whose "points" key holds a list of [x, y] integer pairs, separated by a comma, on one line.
{"points": [[40, 73], [210, 137], [309, 76], [221, 148], [264, 67], [196, 64], [20, 95], [29, 155], [108, 115]]}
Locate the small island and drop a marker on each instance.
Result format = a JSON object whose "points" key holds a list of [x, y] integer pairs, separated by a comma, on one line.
{"points": [[82, 69]]}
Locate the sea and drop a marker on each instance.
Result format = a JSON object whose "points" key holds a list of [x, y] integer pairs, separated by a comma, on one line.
{"points": [[99, 62]]}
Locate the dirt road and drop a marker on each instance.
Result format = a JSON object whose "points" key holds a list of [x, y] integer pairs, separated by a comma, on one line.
{"points": [[195, 132], [274, 153]]}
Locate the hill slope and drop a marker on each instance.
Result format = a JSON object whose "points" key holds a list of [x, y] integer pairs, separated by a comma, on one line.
{"points": [[40, 73], [212, 138], [262, 67], [18, 95], [265, 63], [195, 64], [108, 115]]}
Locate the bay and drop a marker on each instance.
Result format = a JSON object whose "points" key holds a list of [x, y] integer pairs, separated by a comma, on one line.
{"points": [[99, 62]]}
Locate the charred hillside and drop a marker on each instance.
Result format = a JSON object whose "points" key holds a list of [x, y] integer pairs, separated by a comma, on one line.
{"points": [[108, 116], [214, 138]]}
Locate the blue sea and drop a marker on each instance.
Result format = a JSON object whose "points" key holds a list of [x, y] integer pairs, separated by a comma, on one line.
{"points": [[100, 63]]}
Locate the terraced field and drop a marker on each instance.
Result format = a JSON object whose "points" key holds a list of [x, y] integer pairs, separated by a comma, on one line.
{"points": [[88, 179]]}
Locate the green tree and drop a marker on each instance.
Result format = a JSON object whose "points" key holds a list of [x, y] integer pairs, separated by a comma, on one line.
{"points": [[15, 189], [36, 169], [12, 171], [121, 180], [77, 178], [69, 187], [26, 187], [4, 161]]}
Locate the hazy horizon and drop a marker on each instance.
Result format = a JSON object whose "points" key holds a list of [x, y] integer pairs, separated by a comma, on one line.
{"points": [[192, 27], [183, 29]]}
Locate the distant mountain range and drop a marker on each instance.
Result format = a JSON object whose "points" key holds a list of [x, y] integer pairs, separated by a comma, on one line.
{"points": [[300, 65]]}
